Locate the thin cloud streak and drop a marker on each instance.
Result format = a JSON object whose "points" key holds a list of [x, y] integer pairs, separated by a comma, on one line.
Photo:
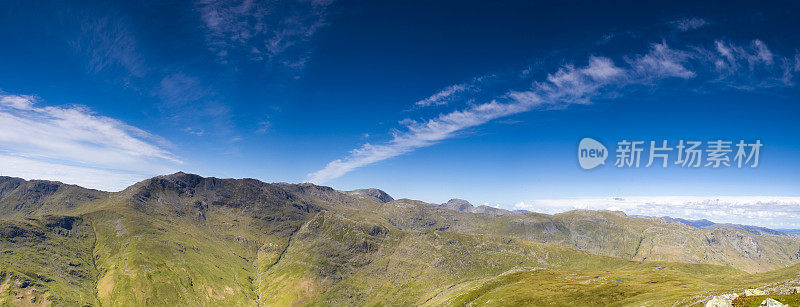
{"points": [[688, 24], [442, 97], [567, 86]]}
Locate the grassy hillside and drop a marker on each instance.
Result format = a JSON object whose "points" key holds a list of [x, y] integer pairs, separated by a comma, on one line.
{"points": [[20, 198], [47, 260], [634, 284], [188, 240], [607, 233]]}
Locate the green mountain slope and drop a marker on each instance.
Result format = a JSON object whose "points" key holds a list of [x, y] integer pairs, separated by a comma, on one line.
{"points": [[609, 233], [20, 198], [187, 240], [47, 260]]}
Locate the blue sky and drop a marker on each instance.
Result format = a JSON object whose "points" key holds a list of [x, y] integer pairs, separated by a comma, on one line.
{"points": [[484, 101]]}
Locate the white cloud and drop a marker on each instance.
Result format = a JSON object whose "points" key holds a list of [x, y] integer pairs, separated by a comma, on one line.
{"points": [[274, 31], [571, 83], [43, 142], [178, 90], [109, 44], [688, 24], [568, 85], [418, 135], [17, 102], [748, 66], [442, 97], [263, 126], [33, 168], [194, 131], [188, 101], [767, 211], [762, 53], [730, 57], [797, 62], [661, 62]]}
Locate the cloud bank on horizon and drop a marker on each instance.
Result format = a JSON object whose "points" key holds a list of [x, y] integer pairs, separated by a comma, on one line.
{"points": [[766, 211], [720, 63]]}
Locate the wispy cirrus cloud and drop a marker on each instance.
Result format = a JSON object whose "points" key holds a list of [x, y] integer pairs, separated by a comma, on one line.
{"points": [[748, 66], [731, 57], [688, 23], [108, 44], [568, 85], [179, 89], [277, 32], [73, 144], [442, 97], [454, 93], [418, 135], [190, 102], [661, 62]]}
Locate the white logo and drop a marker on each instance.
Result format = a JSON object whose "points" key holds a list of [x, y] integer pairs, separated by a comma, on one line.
{"points": [[591, 153]]}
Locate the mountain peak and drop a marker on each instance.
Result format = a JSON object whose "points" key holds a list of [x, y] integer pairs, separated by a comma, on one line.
{"points": [[180, 176], [458, 205], [461, 205], [180, 179], [377, 194]]}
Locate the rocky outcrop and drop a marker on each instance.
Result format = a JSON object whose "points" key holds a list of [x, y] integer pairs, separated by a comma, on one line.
{"points": [[725, 300], [753, 292], [772, 303]]}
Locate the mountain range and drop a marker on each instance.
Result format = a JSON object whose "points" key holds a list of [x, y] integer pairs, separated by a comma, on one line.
{"points": [[703, 223], [183, 239]]}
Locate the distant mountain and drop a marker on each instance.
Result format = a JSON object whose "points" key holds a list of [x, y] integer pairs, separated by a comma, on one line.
{"points": [[464, 206], [751, 229], [703, 223], [694, 223], [184, 239], [790, 231]]}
